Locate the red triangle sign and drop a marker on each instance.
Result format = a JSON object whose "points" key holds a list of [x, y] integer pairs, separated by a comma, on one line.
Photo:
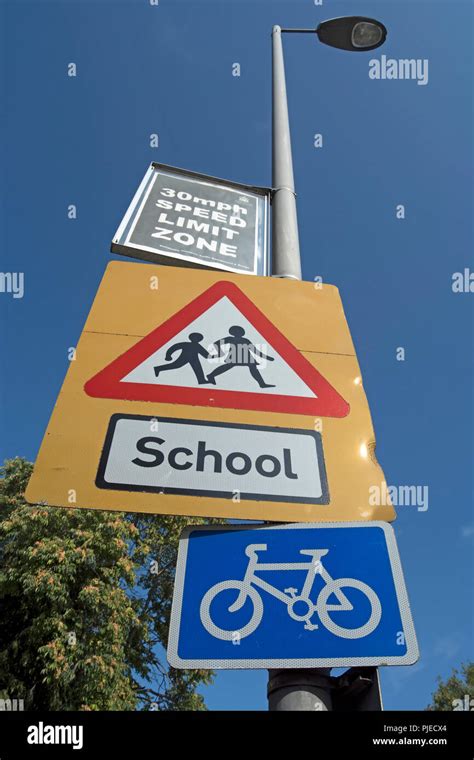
{"points": [[219, 351]]}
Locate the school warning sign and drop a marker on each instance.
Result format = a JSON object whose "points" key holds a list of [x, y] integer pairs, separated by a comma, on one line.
{"points": [[196, 220]]}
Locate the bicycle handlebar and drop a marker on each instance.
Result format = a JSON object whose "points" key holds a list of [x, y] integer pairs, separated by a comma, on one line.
{"points": [[252, 549]]}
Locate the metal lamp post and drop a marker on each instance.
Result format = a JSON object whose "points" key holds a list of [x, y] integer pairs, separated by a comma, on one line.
{"points": [[302, 689]]}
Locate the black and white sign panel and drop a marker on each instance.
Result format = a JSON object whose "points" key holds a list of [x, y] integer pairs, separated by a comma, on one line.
{"points": [[203, 458], [186, 218]]}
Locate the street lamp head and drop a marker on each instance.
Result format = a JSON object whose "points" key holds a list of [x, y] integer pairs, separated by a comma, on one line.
{"points": [[352, 33]]}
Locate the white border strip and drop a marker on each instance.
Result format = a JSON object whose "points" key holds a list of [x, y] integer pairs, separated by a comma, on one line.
{"points": [[131, 208]]}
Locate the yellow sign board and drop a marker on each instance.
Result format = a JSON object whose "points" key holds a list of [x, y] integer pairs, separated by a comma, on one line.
{"points": [[213, 394]]}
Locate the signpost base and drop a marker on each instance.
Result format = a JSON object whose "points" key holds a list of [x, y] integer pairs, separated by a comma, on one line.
{"points": [[300, 690], [357, 690]]}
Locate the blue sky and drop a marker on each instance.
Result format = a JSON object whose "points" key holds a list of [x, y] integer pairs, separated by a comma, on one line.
{"points": [[167, 69]]}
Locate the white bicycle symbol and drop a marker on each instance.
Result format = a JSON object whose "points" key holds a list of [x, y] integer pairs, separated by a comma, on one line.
{"points": [[291, 598]]}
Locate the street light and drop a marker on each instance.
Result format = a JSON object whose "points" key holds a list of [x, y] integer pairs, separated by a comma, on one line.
{"points": [[354, 33], [302, 689]]}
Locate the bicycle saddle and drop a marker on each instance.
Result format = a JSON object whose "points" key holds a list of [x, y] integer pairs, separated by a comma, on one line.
{"points": [[314, 552]]}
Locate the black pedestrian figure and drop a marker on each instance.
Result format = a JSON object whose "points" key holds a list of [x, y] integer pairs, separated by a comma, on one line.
{"points": [[242, 353], [189, 355]]}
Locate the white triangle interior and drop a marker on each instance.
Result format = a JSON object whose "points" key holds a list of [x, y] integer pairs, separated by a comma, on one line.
{"points": [[214, 324]]}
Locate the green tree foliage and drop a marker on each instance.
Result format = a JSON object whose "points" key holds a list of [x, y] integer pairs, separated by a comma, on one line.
{"points": [[86, 598], [457, 692]]}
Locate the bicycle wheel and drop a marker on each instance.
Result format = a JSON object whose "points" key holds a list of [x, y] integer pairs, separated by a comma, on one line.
{"points": [[349, 633], [222, 633]]}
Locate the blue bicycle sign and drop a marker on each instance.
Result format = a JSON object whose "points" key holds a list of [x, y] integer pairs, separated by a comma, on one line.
{"points": [[297, 595]]}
